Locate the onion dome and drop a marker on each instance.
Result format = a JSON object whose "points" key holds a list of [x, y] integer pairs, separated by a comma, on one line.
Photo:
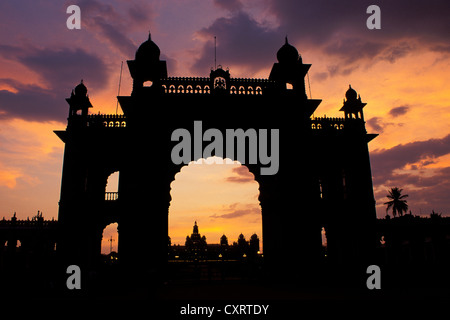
{"points": [[287, 53], [148, 51], [351, 94], [81, 90]]}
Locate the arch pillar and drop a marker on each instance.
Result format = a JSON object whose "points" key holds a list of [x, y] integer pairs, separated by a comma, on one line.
{"points": [[143, 226]]}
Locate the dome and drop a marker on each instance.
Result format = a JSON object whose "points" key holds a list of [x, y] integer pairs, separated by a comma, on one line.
{"points": [[287, 53], [81, 90], [148, 51], [351, 93]]}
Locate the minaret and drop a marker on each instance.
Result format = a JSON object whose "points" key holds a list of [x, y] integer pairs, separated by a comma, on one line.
{"points": [[79, 101], [353, 105], [195, 230], [290, 69], [289, 76], [146, 65]]}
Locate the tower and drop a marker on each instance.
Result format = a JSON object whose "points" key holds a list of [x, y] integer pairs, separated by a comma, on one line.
{"points": [[79, 102], [93, 150], [290, 70], [147, 67], [353, 106], [195, 238], [196, 244], [195, 228]]}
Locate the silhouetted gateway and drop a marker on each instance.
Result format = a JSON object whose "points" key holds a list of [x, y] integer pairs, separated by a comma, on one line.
{"points": [[323, 179]]}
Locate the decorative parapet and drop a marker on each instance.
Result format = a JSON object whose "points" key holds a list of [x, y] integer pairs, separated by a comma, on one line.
{"points": [[198, 85], [107, 120], [27, 224], [341, 124], [319, 123], [325, 122], [205, 85]]}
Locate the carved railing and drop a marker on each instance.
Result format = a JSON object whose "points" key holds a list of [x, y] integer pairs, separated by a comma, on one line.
{"points": [[321, 123], [325, 122], [111, 196], [107, 120], [199, 85], [204, 85]]}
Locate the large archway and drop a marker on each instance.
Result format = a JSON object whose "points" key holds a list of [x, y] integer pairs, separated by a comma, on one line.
{"points": [[110, 239], [221, 196]]}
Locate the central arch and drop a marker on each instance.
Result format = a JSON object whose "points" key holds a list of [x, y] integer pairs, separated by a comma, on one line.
{"points": [[221, 195]]}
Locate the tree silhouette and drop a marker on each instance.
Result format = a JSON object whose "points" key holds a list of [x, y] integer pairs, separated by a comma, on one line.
{"points": [[397, 202], [435, 215]]}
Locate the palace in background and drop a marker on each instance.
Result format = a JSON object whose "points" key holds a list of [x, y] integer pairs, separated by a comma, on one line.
{"points": [[197, 249]]}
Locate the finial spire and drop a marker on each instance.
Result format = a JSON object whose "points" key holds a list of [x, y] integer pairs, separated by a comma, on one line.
{"points": [[215, 53], [286, 40], [149, 35]]}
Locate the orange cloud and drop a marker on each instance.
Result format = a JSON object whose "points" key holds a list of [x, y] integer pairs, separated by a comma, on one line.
{"points": [[8, 177]]}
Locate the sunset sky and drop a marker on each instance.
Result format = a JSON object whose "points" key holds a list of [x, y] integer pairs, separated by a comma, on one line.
{"points": [[401, 71]]}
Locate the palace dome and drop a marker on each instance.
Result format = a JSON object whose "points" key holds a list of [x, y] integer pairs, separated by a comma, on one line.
{"points": [[351, 94], [148, 50], [287, 53], [81, 90]]}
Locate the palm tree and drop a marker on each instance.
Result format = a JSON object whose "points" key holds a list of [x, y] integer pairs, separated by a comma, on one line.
{"points": [[397, 202]]}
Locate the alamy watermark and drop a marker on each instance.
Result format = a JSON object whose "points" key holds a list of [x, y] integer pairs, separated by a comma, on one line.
{"points": [[374, 280], [248, 147], [74, 20], [74, 280], [374, 21]]}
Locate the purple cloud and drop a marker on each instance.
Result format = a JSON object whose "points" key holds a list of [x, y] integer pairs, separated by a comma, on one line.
{"points": [[241, 41], [376, 124], [241, 175], [428, 188], [237, 213], [336, 28], [114, 23], [230, 5], [385, 161], [322, 20], [60, 71], [426, 191], [399, 111]]}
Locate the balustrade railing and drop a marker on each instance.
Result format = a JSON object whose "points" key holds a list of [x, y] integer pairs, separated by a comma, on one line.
{"points": [[111, 196], [107, 120]]}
